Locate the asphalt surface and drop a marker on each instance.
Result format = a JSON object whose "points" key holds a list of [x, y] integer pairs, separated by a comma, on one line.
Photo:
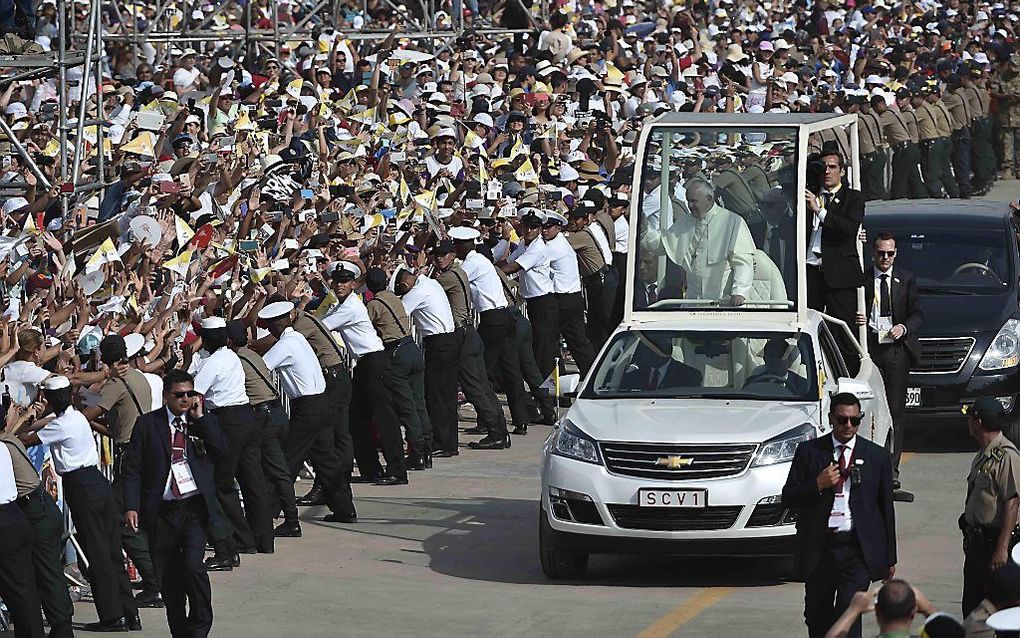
{"points": [[456, 553]]}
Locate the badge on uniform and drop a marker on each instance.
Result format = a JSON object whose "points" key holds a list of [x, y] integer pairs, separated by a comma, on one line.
{"points": [[182, 475]]}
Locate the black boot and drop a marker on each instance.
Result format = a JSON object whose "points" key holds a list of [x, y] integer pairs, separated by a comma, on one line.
{"points": [[222, 563], [520, 430], [491, 442], [315, 496], [288, 529], [414, 462]]}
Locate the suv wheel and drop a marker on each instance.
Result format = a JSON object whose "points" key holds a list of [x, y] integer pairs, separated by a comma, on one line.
{"points": [[558, 564]]}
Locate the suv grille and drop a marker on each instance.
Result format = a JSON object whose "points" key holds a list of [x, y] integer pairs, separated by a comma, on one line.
{"points": [[675, 519], [946, 355], [673, 462]]}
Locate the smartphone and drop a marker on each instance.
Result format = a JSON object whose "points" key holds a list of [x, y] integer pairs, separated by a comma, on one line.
{"points": [[227, 142], [307, 193], [244, 209], [169, 187], [248, 245], [275, 216], [340, 190], [67, 187], [399, 156]]}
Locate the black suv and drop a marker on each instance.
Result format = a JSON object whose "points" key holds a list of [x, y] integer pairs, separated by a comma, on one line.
{"points": [[965, 257]]}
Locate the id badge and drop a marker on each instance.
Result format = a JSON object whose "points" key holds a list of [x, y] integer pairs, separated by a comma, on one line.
{"points": [[182, 475], [837, 516]]}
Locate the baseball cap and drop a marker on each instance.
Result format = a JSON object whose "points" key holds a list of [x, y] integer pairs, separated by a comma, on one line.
{"points": [[986, 408]]}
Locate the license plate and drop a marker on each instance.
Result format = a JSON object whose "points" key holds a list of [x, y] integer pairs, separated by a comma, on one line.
{"points": [[672, 498], [913, 397]]}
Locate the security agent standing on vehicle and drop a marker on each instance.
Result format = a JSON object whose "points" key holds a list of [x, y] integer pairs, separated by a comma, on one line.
{"points": [[846, 527], [566, 279], [372, 402], [92, 503], [47, 530], [170, 490], [17, 582], [272, 422], [989, 516], [220, 380], [302, 380]]}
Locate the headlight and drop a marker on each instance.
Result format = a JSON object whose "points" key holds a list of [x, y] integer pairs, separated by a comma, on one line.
{"points": [[781, 448], [575, 444], [1005, 349]]}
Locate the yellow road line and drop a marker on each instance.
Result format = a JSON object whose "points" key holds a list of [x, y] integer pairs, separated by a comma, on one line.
{"points": [[685, 612]]}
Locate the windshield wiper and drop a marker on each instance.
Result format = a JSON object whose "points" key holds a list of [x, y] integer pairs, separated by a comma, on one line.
{"points": [[944, 291]]}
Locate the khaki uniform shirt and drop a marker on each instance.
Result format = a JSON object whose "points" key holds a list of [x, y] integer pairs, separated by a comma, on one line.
{"points": [[327, 350], [910, 119], [870, 133], [388, 316], [511, 288], [894, 127], [837, 135], [974, 104], [927, 129], [993, 480], [589, 257], [123, 401], [943, 119], [26, 479], [958, 109], [735, 192], [608, 226], [455, 282], [258, 381]]}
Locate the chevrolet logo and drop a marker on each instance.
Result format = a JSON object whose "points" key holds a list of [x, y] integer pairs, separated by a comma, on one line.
{"points": [[673, 462]]}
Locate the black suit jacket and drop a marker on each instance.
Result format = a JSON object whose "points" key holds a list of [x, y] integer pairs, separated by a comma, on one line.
{"points": [[841, 266], [146, 467], [786, 259], [906, 308], [677, 375], [871, 505]]}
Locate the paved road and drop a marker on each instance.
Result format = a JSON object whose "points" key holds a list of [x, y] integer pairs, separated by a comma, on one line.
{"points": [[455, 553]]}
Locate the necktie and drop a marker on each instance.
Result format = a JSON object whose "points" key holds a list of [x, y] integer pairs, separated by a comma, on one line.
{"points": [[885, 301], [177, 452], [651, 294], [841, 449], [653, 380]]}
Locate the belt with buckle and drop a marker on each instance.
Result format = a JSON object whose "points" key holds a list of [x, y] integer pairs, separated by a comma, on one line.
{"points": [[265, 406], [840, 538]]}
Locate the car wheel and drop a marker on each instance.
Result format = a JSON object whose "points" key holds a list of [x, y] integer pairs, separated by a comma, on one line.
{"points": [[558, 564], [1011, 428]]}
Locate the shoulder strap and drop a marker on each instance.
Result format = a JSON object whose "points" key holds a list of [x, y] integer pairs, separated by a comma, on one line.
{"points": [[20, 450], [392, 314], [604, 229], [325, 331], [464, 289], [254, 367], [598, 248], [133, 397]]}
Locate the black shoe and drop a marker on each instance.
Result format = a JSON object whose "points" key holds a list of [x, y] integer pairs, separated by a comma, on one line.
{"points": [[520, 430], [266, 549], [476, 430], [288, 530], [896, 484], [106, 625], [491, 442], [315, 496], [414, 462], [427, 460], [391, 480], [445, 454], [150, 599], [247, 550], [133, 622], [222, 563], [339, 518], [370, 478]]}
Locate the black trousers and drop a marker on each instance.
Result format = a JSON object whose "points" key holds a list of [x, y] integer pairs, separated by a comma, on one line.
{"points": [[474, 381], [135, 544], [828, 590], [978, 547], [98, 522], [873, 175], [405, 373], [310, 435], [572, 328], [253, 525], [442, 367], [178, 544], [372, 405], [620, 266], [338, 394], [17, 580], [544, 315], [946, 167], [894, 362], [47, 563], [599, 291], [961, 159], [906, 173], [840, 303], [272, 421], [498, 332]]}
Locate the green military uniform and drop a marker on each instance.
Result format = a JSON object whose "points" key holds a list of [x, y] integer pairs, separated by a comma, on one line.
{"points": [[906, 158], [982, 151], [873, 148], [931, 150], [955, 104], [944, 125], [1009, 119], [993, 480]]}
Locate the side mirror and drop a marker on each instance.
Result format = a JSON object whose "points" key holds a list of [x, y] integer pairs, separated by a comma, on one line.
{"points": [[859, 389]]}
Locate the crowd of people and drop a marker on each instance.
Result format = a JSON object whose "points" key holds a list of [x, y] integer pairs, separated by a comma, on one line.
{"points": [[444, 218]]}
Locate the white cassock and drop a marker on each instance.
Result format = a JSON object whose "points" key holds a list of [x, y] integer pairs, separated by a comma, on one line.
{"points": [[716, 252]]}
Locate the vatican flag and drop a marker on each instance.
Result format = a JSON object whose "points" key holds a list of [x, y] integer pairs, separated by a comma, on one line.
{"points": [[105, 254], [184, 232], [526, 173], [180, 263]]}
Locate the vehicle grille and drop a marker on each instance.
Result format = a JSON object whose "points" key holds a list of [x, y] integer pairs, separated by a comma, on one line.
{"points": [[945, 355], [646, 460], [674, 519]]}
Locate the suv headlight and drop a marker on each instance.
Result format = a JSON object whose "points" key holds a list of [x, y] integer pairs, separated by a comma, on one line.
{"points": [[575, 444], [1005, 349], [780, 449]]}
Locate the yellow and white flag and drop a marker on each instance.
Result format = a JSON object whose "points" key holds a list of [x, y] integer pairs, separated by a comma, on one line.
{"points": [[526, 173], [327, 304], [180, 263], [184, 232], [141, 145], [105, 254], [243, 122], [517, 149], [613, 73], [365, 117], [404, 192], [294, 88], [474, 141], [427, 200]]}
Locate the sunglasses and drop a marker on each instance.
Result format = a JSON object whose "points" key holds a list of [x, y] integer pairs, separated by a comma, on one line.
{"points": [[185, 393], [885, 253], [844, 420]]}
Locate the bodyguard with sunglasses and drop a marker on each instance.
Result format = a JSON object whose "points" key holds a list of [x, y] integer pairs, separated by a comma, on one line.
{"points": [[841, 485]]}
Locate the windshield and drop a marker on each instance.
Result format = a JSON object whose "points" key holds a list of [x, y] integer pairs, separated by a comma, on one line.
{"points": [[954, 261], [679, 364]]}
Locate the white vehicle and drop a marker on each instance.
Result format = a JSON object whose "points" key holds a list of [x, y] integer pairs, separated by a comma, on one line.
{"points": [[681, 436]]}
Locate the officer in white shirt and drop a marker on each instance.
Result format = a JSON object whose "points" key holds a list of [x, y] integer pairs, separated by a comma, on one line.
{"points": [[566, 280], [372, 402], [426, 303], [17, 579], [618, 205], [310, 432], [220, 380], [92, 503], [498, 332]]}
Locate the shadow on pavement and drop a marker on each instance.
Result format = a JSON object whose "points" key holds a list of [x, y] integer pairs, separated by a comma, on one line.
{"points": [[496, 539], [935, 436]]}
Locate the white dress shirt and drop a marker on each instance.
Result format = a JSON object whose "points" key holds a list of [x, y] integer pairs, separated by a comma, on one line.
{"points": [[427, 305], [220, 379], [8, 488], [841, 519], [22, 379], [486, 286], [168, 492], [602, 241], [814, 256], [566, 278], [622, 229], [534, 276], [351, 320], [70, 439], [874, 317], [295, 361]]}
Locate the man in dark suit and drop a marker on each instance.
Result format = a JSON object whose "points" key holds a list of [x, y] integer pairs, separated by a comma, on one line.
{"points": [[834, 270], [779, 356], [775, 234], [893, 318], [841, 485], [170, 492], [656, 369]]}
